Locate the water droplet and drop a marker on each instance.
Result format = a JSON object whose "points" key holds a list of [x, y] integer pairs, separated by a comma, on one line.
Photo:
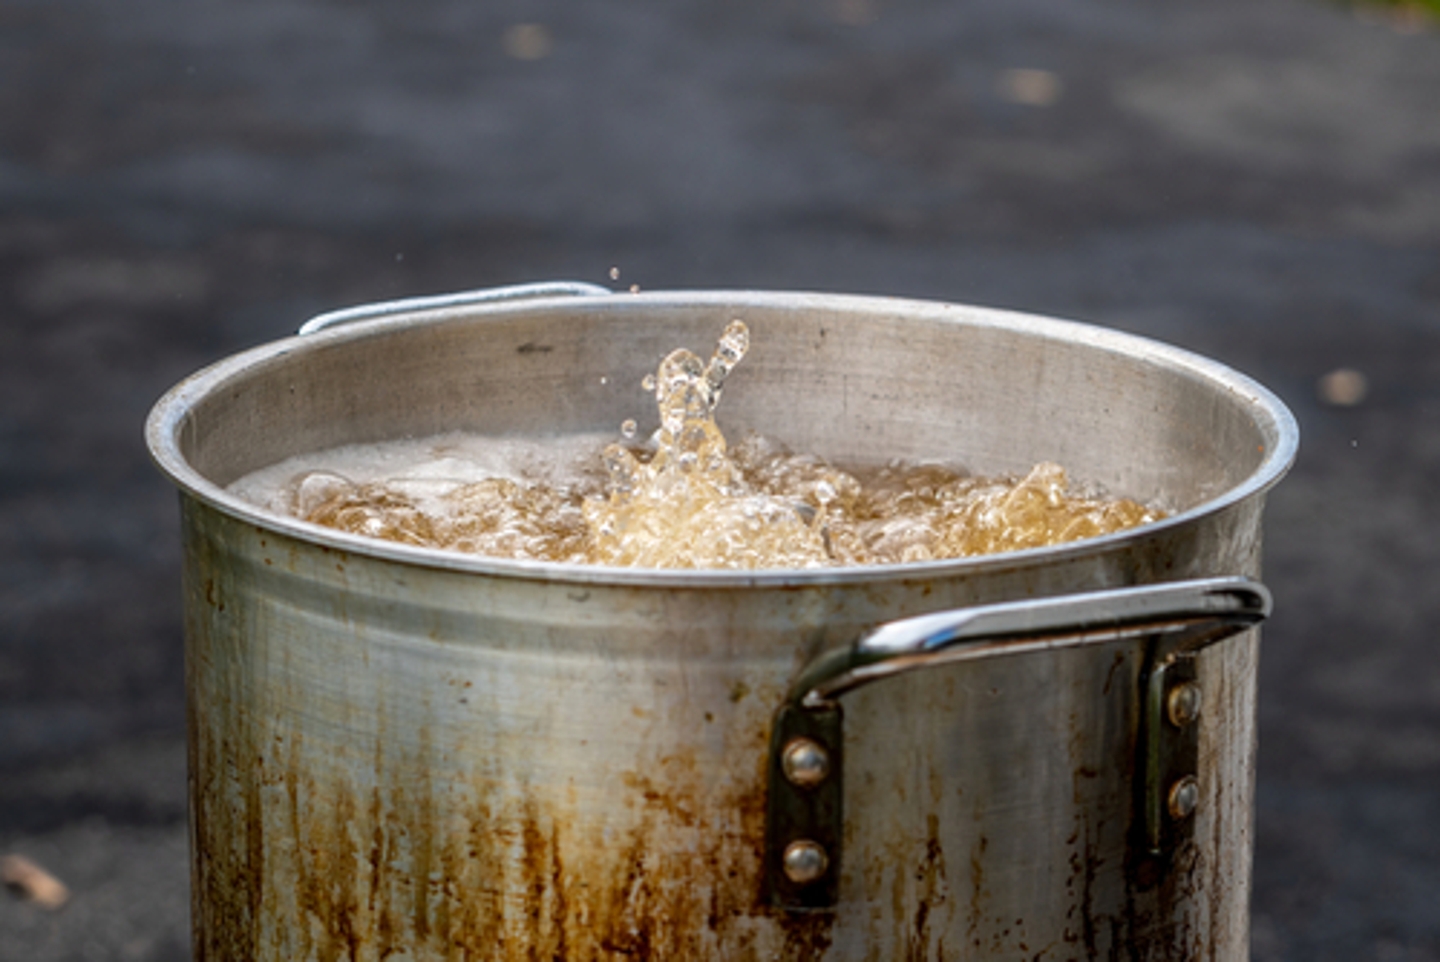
{"points": [[614, 273], [624, 470], [627, 428]]}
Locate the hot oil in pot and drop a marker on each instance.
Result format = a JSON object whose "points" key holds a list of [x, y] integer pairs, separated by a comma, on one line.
{"points": [[684, 499]]}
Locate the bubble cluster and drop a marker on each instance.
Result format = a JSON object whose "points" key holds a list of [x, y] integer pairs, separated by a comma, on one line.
{"points": [[906, 512], [498, 517], [685, 499]]}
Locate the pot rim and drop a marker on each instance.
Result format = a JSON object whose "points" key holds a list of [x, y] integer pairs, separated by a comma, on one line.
{"points": [[168, 419]]}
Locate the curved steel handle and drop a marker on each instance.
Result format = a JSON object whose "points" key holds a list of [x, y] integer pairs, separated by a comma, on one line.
{"points": [[805, 816], [1187, 615], [487, 295]]}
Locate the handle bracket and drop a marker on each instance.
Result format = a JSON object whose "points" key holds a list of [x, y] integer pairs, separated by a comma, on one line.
{"points": [[1168, 783], [805, 815]]}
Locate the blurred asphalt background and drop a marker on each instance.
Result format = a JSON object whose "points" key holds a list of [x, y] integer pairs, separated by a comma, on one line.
{"points": [[1257, 180]]}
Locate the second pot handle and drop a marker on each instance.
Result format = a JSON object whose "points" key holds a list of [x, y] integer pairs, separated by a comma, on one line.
{"points": [[804, 815], [487, 295]]}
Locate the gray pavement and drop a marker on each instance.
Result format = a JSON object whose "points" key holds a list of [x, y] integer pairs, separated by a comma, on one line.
{"points": [[1258, 180]]}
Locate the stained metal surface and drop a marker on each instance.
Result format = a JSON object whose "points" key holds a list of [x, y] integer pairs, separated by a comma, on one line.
{"points": [[401, 754]]}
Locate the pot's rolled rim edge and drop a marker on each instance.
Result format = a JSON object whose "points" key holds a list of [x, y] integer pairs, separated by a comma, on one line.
{"points": [[161, 433]]}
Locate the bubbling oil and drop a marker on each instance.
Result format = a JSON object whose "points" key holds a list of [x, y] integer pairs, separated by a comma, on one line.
{"points": [[685, 498]]}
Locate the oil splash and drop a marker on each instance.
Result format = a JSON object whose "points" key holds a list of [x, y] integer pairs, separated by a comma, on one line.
{"points": [[686, 499]]}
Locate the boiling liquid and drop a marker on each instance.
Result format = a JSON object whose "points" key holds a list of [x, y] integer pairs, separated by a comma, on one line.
{"points": [[685, 499]]}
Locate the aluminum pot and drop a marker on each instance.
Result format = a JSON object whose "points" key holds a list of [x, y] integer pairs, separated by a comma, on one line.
{"points": [[400, 753]]}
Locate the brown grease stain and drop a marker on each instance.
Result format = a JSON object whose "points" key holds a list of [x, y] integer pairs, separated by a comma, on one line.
{"points": [[931, 893], [369, 870]]}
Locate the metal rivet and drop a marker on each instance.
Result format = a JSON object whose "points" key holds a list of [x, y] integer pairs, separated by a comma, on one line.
{"points": [[1184, 798], [805, 862], [1183, 704], [805, 762]]}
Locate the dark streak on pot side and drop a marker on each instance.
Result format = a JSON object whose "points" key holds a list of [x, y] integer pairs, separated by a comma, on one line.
{"points": [[232, 912], [807, 935]]}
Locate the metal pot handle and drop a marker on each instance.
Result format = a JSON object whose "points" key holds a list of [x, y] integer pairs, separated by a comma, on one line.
{"points": [[486, 295], [804, 816]]}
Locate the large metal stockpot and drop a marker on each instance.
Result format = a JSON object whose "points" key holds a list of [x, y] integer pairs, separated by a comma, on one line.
{"points": [[399, 753]]}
